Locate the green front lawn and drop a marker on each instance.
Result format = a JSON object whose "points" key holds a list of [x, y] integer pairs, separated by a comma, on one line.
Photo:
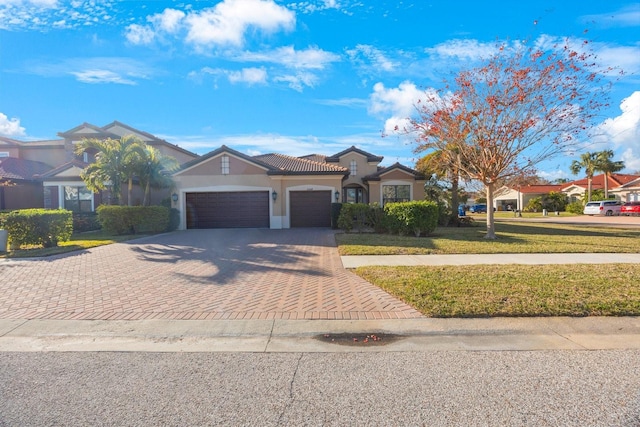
{"points": [[77, 242], [512, 290], [513, 237], [507, 290]]}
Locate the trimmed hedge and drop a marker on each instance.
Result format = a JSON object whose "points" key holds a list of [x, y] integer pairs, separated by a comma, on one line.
{"points": [[38, 227], [353, 215], [133, 219], [86, 221], [417, 217]]}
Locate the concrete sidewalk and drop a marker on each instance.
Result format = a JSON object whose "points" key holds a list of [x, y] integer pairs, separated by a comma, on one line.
{"points": [[415, 335], [355, 261]]}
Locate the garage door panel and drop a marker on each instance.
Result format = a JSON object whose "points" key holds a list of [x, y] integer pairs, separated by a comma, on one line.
{"points": [[310, 208], [246, 209]]}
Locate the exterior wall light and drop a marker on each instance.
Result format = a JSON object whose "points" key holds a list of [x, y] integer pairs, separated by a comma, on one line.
{"points": [[274, 195], [174, 197], [337, 195]]}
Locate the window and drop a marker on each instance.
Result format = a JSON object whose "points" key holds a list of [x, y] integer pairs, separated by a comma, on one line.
{"points": [[78, 199], [396, 193], [353, 166], [225, 165], [354, 195]]}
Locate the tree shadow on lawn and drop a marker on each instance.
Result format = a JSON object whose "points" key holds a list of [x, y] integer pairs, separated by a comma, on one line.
{"points": [[237, 254]]}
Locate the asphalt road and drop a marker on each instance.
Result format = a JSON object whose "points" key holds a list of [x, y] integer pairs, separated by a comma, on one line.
{"points": [[439, 388]]}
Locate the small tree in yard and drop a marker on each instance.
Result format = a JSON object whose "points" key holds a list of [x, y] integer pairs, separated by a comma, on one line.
{"points": [[523, 106]]}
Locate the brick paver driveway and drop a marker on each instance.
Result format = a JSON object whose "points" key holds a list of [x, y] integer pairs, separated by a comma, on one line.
{"points": [[197, 274]]}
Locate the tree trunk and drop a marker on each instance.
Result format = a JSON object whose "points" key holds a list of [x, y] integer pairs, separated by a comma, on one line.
{"points": [[606, 185], [130, 192], [491, 227], [147, 194], [454, 197], [588, 189]]}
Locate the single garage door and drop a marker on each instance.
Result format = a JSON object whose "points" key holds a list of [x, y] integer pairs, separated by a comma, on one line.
{"points": [[310, 208], [246, 209]]}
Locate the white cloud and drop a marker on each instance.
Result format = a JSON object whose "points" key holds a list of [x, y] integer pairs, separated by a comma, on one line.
{"points": [[298, 81], [628, 16], [96, 70], [623, 131], [44, 15], [463, 49], [10, 127], [39, 3], [139, 35], [101, 76], [170, 20], [251, 76], [311, 58], [227, 22], [373, 57], [397, 104]]}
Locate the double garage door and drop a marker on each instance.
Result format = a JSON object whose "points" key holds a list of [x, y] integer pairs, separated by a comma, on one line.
{"points": [[250, 209], [245, 209]]}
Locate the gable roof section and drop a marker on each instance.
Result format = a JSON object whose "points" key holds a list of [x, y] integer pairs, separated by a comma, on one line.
{"points": [[315, 158], [8, 142], [12, 168], [288, 165], [150, 139], [378, 175], [63, 167], [87, 130], [370, 157], [217, 152], [541, 188], [615, 180]]}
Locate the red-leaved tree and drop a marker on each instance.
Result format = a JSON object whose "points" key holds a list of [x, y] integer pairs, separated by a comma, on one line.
{"points": [[521, 106]]}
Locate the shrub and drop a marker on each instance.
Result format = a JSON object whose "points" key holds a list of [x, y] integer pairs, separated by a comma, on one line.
{"points": [[133, 219], [39, 227], [417, 217], [353, 215], [335, 214], [174, 219], [86, 221], [575, 207]]}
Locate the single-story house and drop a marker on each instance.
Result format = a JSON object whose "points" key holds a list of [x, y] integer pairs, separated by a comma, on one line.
{"points": [[623, 186], [226, 188]]}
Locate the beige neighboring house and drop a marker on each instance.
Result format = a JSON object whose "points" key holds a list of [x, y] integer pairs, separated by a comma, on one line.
{"points": [[47, 173], [624, 187], [227, 189]]}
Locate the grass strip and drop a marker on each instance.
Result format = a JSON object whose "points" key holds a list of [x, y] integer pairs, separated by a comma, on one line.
{"points": [[513, 237], [512, 290], [76, 243]]}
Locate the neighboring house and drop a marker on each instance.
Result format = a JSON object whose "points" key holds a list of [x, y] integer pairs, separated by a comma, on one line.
{"points": [[226, 188], [624, 187], [517, 198], [56, 183], [19, 189]]}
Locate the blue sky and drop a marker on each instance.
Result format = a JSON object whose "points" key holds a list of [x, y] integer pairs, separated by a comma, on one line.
{"points": [[276, 76]]}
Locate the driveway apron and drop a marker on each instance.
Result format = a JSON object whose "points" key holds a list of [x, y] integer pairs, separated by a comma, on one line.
{"points": [[197, 274]]}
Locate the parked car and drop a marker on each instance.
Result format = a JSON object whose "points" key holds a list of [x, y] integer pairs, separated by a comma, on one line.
{"points": [[603, 207], [478, 209], [630, 208]]}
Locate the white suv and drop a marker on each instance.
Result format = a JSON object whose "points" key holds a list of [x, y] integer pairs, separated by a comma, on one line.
{"points": [[603, 207]]}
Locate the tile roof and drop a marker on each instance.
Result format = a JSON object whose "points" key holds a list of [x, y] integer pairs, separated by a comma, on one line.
{"points": [[615, 180], [315, 157], [63, 167], [13, 168], [295, 165], [370, 157], [376, 176], [540, 188]]}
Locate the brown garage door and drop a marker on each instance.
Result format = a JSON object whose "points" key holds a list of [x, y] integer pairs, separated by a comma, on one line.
{"points": [[310, 208], [246, 209]]}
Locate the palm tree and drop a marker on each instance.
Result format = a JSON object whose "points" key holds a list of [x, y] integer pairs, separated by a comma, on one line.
{"points": [[115, 164], [444, 163], [588, 162], [153, 169], [607, 166]]}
